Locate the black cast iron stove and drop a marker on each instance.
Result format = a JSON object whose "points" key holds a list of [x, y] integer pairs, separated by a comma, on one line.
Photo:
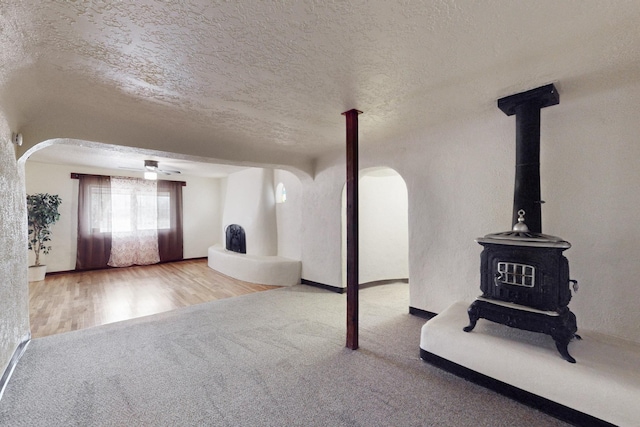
{"points": [[524, 276]]}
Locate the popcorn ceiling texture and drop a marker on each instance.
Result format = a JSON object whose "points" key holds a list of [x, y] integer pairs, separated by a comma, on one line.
{"points": [[267, 81], [14, 290]]}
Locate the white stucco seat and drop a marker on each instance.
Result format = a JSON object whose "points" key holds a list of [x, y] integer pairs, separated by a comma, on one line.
{"points": [[266, 270], [603, 383]]}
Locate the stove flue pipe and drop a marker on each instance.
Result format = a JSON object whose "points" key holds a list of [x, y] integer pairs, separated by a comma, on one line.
{"points": [[526, 106]]}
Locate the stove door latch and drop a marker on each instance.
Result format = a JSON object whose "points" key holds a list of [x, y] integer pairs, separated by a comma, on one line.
{"points": [[574, 285]]}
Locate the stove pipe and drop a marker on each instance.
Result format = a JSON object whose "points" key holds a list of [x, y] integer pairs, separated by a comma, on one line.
{"points": [[526, 106]]}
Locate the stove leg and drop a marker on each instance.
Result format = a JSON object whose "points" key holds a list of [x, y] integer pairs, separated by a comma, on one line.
{"points": [[563, 332], [562, 345], [474, 315]]}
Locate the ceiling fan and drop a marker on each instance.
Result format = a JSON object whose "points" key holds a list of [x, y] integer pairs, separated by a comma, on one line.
{"points": [[152, 167]]}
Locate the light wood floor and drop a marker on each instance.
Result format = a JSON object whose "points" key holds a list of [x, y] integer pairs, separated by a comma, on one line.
{"points": [[70, 301]]}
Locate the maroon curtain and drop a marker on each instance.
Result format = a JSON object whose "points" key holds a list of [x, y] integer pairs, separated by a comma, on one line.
{"points": [[94, 222], [170, 239]]}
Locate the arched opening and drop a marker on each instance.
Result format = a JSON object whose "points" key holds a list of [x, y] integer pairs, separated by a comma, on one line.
{"points": [[204, 216], [383, 227]]}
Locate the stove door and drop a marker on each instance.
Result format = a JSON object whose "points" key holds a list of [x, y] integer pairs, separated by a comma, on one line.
{"points": [[536, 277]]}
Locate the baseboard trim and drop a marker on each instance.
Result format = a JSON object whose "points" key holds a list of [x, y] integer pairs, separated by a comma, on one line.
{"points": [[106, 267], [323, 286], [542, 404], [382, 282], [422, 313], [13, 362]]}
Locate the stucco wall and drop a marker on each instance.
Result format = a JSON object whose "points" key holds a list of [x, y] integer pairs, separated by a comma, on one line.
{"points": [[14, 290], [321, 227], [202, 210], [460, 186], [289, 215]]}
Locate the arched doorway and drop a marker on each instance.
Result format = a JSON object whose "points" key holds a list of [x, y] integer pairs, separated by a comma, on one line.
{"points": [[205, 215], [383, 227]]}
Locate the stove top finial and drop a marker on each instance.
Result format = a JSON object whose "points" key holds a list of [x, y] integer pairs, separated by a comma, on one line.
{"points": [[520, 225]]}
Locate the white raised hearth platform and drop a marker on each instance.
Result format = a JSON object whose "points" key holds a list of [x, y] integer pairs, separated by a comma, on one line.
{"points": [[266, 270], [604, 383]]}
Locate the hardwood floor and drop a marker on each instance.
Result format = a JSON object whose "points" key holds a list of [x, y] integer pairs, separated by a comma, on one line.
{"points": [[77, 300]]}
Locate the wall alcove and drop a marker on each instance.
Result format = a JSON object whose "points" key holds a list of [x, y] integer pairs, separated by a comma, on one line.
{"points": [[383, 226]]}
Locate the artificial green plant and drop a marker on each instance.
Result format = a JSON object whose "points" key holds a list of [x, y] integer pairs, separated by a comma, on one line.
{"points": [[42, 213]]}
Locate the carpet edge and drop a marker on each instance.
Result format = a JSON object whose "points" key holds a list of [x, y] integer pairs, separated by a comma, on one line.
{"points": [[11, 366]]}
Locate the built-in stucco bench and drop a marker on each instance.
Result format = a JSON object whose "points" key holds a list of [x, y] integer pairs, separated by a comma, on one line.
{"points": [[604, 382], [267, 270]]}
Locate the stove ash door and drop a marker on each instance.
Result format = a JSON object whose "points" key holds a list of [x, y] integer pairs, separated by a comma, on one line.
{"points": [[536, 277]]}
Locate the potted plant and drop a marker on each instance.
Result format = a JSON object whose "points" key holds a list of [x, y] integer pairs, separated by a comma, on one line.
{"points": [[42, 213]]}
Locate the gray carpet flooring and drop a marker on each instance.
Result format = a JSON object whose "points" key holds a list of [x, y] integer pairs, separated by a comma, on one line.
{"points": [[274, 358]]}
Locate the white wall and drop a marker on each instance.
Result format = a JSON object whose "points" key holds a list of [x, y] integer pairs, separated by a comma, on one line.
{"points": [[202, 210], [321, 228], [203, 205], [383, 236], [250, 202], [55, 179], [289, 215], [460, 186]]}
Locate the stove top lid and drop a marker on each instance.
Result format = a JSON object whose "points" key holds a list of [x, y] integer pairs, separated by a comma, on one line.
{"points": [[518, 238], [521, 236]]}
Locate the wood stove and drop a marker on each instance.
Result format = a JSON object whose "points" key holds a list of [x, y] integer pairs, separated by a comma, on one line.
{"points": [[524, 276]]}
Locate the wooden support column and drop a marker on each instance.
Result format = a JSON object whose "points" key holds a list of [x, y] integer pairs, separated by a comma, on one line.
{"points": [[352, 228]]}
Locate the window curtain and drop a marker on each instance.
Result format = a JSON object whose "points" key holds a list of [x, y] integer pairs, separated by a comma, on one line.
{"points": [[128, 221], [94, 222], [170, 232], [134, 222]]}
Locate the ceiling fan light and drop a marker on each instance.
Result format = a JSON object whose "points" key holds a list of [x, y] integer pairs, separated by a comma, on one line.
{"points": [[151, 175]]}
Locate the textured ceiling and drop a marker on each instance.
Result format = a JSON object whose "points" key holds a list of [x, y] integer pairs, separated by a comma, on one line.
{"points": [[126, 159], [266, 81]]}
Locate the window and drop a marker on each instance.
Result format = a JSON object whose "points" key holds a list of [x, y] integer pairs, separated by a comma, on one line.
{"points": [[128, 221], [151, 212], [281, 193]]}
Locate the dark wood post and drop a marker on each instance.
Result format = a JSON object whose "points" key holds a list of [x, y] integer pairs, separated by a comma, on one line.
{"points": [[352, 228]]}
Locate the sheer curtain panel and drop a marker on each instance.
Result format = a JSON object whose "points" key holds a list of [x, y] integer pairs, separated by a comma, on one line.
{"points": [[94, 222], [134, 222]]}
